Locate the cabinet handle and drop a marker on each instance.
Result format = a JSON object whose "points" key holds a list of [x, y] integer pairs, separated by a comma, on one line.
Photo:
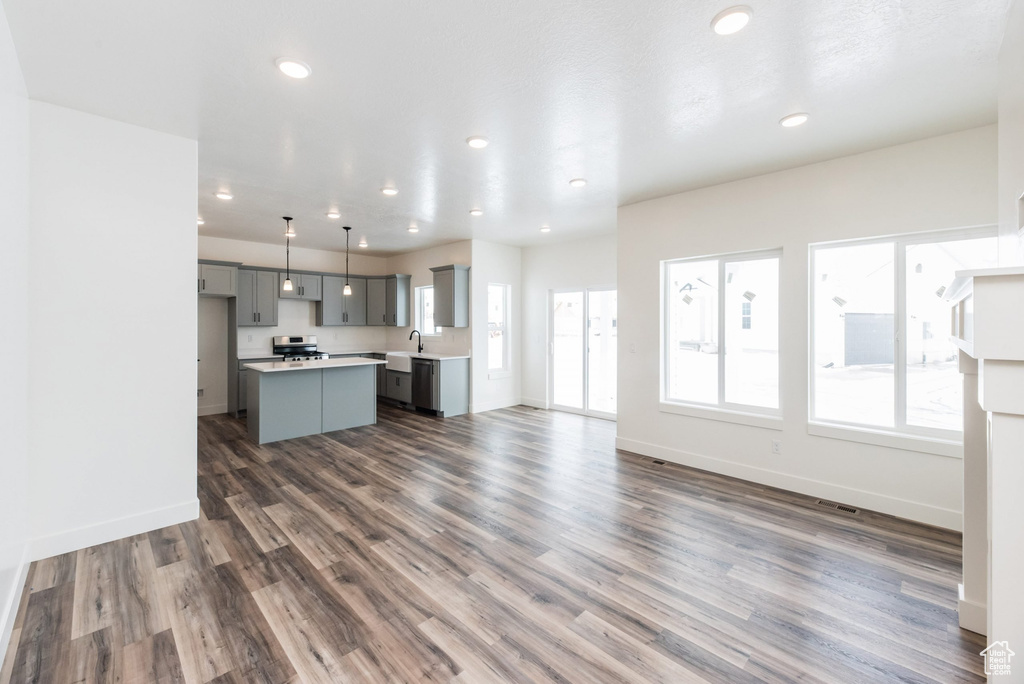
{"points": [[259, 317], [254, 318], [204, 283]]}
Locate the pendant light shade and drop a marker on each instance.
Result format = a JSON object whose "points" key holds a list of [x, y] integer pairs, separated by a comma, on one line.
{"points": [[348, 288], [289, 233]]}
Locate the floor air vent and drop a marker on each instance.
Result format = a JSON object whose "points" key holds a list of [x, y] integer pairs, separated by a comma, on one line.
{"points": [[836, 506], [659, 463]]}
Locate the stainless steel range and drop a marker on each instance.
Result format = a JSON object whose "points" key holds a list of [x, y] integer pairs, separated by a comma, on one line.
{"points": [[298, 348]]}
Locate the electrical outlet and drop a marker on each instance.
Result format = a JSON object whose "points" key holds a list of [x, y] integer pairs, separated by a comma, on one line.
{"points": [[250, 338], [777, 447], [632, 349], [199, 393]]}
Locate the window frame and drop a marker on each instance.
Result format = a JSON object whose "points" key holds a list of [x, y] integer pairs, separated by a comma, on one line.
{"points": [[506, 353], [746, 414], [934, 440], [418, 291]]}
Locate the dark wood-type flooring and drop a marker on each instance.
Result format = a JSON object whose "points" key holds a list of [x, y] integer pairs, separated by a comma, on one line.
{"points": [[515, 545]]}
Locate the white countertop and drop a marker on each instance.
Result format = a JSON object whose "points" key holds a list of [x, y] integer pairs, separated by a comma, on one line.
{"points": [[244, 355], [320, 364]]}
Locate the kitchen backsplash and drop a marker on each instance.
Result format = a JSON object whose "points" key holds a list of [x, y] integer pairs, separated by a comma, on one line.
{"points": [[299, 318]]}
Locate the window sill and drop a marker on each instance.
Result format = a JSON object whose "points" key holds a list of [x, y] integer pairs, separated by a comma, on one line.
{"points": [[894, 440], [498, 374], [759, 420]]}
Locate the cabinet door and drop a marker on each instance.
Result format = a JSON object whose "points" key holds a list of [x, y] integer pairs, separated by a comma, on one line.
{"points": [[391, 301], [218, 280], [355, 303], [444, 298], [310, 287], [331, 309], [382, 379], [376, 301], [266, 298], [243, 388], [245, 305], [400, 386], [284, 294], [403, 313]]}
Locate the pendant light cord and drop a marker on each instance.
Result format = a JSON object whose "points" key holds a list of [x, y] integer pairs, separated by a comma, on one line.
{"points": [[348, 230]]}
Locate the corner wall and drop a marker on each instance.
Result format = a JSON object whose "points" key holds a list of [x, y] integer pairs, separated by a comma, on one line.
{"points": [[14, 265], [1011, 138], [112, 259], [944, 182]]}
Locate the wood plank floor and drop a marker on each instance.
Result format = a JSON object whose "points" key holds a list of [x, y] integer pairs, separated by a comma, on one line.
{"points": [[510, 546]]}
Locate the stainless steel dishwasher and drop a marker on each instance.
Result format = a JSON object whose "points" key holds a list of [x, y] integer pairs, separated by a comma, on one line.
{"points": [[423, 384]]}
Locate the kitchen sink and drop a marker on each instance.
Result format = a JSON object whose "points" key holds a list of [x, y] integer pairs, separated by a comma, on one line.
{"points": [[399, 361]]}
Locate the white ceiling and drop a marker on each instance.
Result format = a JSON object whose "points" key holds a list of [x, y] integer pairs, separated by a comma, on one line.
{"points": [[641, 98]]}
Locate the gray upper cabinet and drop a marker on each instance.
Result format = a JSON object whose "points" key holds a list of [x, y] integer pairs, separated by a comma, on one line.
{"points": [[257, 298], [451, 296], [215, 280], [304, 286], [337, 309], [376, 301], [397, 295]]}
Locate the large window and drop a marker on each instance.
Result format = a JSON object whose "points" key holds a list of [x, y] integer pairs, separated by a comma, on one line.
{"points": [[425, 311], [721, 325], [881, 355], [497, 327]]}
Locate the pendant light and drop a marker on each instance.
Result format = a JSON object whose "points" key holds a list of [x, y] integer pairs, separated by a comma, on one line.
{"points": [[289, 233], [348, 288]]}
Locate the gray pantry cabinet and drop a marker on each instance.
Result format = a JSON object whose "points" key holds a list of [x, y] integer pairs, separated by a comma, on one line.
{"points": [[451, 296], [304, 286], [257, 298], [217, 280], [335, 308]]}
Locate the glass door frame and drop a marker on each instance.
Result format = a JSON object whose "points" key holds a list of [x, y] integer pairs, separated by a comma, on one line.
{"points": [[586, 410]]}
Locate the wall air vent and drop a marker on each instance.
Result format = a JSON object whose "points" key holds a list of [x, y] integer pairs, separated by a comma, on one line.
{"points": [[837, 506]]}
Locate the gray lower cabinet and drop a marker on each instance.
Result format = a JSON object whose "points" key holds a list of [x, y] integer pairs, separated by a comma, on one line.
{"points": [[377, 301], [304, 286], [399, 386], [336, 308], [257, 298], [441, 386], [242, 379], [215, 280], [451, 296]]}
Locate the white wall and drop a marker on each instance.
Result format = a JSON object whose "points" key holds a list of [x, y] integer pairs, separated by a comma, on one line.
{"points": [[499, 264], [14, 265], [213, 356], [578, 264], [1011, 138], [943, 182], [112, 253], [418, 265]]}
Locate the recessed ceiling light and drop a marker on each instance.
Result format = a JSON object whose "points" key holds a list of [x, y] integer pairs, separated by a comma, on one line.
{"points": [[362, 243], [731, 20], [477, 142], [578, 182], [476, 212], [798, 119], [545, 229], [293, 68], [200, 221], [414, 229], [333, 215], [390, 192], [224, 195]]}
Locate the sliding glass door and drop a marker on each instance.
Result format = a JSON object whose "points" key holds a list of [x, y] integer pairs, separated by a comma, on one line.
{"points": [[583, 346]]}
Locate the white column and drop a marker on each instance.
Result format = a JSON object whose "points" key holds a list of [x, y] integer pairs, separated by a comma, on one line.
{"points": [[974, 590]]}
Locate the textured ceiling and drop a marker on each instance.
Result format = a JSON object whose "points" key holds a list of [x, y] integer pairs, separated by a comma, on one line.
{"points": [[640, 98]]}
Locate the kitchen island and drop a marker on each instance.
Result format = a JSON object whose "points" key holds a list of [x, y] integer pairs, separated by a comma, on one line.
{"points": [[287, 399]]}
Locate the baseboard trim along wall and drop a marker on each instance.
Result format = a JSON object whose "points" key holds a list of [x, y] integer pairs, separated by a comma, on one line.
{"points": [[119, 528], [212, 410], [535, 403], [493, 405], [901, 508], [10, 606]]}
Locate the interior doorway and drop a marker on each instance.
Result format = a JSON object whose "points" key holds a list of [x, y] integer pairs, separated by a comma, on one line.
{"points": [[583, 351]]}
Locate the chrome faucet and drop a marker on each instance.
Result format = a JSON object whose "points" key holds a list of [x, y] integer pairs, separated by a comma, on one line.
{"points": [[419, 349]]}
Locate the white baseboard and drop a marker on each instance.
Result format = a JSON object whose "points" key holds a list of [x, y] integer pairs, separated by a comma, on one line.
{"points": [[901, 508], [493, 405], [973, 615], [213, 409], [535, 403], [10, 605], [100, 533]]}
